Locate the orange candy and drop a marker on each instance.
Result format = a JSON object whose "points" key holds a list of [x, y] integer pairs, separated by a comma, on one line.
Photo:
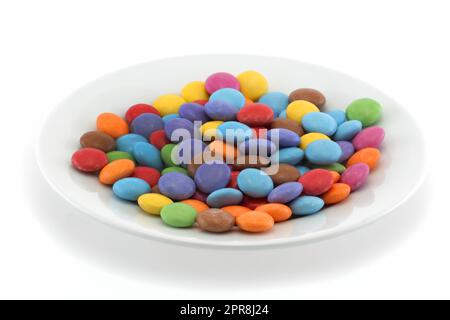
{"points": [[369, 156], [336, 176], [255, 221], [198, 205], [247, 102], [278, 211], [236, 211], [112, 124], [337, 193], [219, 149], [116, 170]]}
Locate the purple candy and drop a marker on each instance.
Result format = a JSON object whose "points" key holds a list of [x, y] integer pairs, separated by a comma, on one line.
{"points": [[187, 149], [285, 192], [146, 124], [260, 147], [178, 129], [286, 137], [371, 137], [210, 177], [176, 186], [221, 80], [347, 150], [221, 110], [356, 175], [193, 112]]}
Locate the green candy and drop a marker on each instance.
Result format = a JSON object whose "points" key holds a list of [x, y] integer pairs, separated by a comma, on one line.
{"points": [[166, 155], [178, 215], [339, 168], [174, 169], [366, 110], [117, 155]]}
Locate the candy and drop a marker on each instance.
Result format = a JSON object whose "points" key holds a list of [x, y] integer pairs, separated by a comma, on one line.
{"points": [[215, 220], [153, 202], [168, 103], [176, 186], [210, 177], [130, 188], [98, 140], [158, 139], [336, 167], [347, 130], [149, 175], [252, 203], [236, 211], [138, 109], [116, 170], [302, 169], [338, 115], [178, 215], [277, 101], [168, 117], [234, 132], [319, 122], [112, 124], [290, 155], [253, 84], [316, 182], [231, 96], [356, 175], [198, 205], [178, 129], [306, 205], [167, 157], [310, 95], [187, 150], [250, 161], [126, 142], [256, 114], [193, 112], [311, 137], [284, 137], [174, 169], [369, 156], [209, 130], [337, 193], [347, 150], [323, 152], [224, 197], [369, 138], [336, 176], [116, 155], [279, 212], [198, 195], [289, 124], [194, 90], [221, 110], [296, 110], [368, 111], [255, 221], [283, 172], [285, 192], [261, 147], [233, 180], [146, 124], [147, 155], [254, 183], [221, 80], [89, 160]]}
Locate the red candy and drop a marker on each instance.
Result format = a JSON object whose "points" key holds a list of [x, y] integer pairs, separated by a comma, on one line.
{"points": [[149, 175], [316, 182], [253, 203], [139, 109], [255, 114], [201, 102], [158, 139], [259, 132], [89, 160], [233, 180]]}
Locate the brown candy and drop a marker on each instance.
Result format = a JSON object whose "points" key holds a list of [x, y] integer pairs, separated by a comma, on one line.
{"points": [[215, 220], [285, 173], [250, 161], [312, 95], [98, 140], [287, 124]]}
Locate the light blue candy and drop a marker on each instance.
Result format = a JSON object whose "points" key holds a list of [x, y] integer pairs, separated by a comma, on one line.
{"points": [[254, 183], [234, 132], [130, 188], [282, 114], [148, 155], [338, 115], [277, 101], [168, 117], [224, 197], [323, 152], [291, 155], [126, 142], [319, 122], [256, 146], [302, 169], [348, 130], [306, 205], [232, 96]]}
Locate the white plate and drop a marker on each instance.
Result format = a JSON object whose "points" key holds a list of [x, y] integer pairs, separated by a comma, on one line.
{"points": [[400, 172]]}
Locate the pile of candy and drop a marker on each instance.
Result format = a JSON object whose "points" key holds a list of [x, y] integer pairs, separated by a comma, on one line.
{"points": [[229, 152]]}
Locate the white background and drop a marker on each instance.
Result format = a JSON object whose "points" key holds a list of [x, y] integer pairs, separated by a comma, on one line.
{"points": [[50, 48]]}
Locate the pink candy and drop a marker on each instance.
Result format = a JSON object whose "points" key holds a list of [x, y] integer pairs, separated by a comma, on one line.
{"points": [[221, 80], [356, 175], [371, 137]]}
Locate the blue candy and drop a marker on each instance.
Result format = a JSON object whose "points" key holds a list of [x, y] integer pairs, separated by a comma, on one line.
{"points": [[286, 138], [285, 192], [171, 116], [260, 147], [179, 129], [319, 122], [234, 132], [146, 123], [193, 112], [130, 188], [290, 155], [323, 152], [254, 183], [306, 205], [221, 110], [277, 101], [210, 177], [126, 142], [282, 114], [338, 115], [147, 155], [302, 169], [224, 197], [348, 130], [177, 186], [232, 96]]}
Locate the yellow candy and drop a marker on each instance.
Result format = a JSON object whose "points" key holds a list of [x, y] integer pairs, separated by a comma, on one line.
{"points": [[194, 91], [209, 129], [153, 202], [311, 137], [297, 109], [253, 84], [168, 103]]}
